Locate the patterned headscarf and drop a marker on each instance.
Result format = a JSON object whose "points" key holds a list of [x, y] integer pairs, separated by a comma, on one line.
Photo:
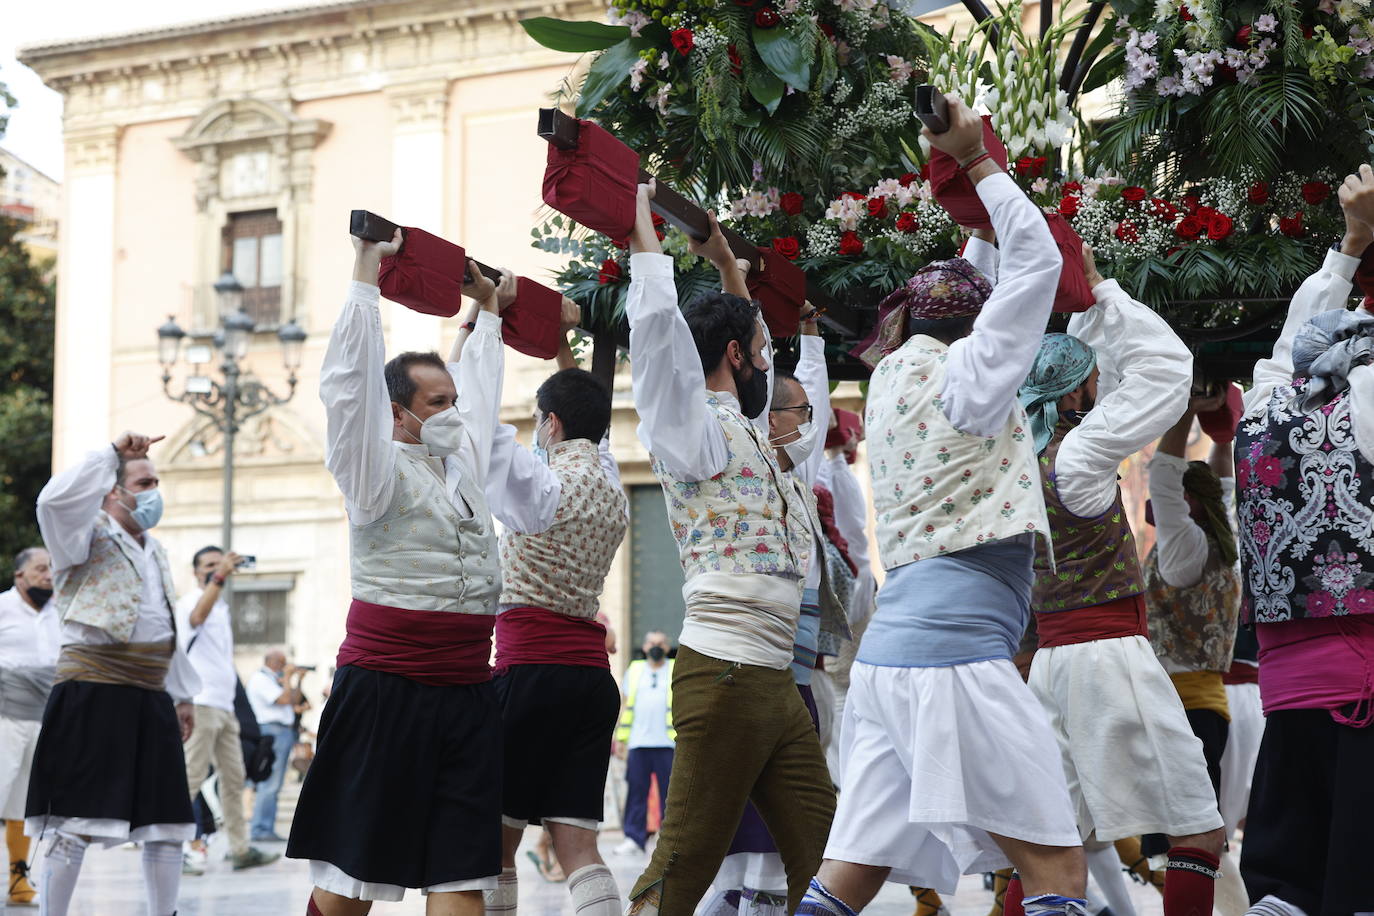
{"points": [[1063, 363], [1327, 348], [942, 289], [1205, 486]]}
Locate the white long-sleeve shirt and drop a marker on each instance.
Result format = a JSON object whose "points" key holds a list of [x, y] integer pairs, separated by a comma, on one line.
{"points": [[675, 423], [984, 370], [1182, 542], [815, 382], [360, 451], [851, 518], [69, 508], [522, 491], [1145, 375], [28, 638]]}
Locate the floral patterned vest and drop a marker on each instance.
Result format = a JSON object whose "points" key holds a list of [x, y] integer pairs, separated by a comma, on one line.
{"points": [[563, 568], [747, 518], [106, 592], [1096, 557], [936, 489], [422, 555], [1305, 498], [1194, 627]]}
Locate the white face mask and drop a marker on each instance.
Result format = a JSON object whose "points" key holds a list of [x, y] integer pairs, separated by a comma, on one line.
{"points": [[541, 451], [442, 433], [800, 448]]}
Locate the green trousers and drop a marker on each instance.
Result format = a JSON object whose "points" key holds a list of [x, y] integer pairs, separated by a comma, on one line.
{"points": [[743, 733]]}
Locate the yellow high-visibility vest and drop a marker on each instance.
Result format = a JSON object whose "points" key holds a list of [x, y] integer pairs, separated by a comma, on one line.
{"points": [[627, 718]]}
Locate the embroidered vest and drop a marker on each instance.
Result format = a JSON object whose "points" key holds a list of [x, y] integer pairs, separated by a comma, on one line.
{"points": [[563, 568], [1194, 627], [937, 489], [1305, 499], [106, 591], [1096, 557], [421, 555], [747, 518]]}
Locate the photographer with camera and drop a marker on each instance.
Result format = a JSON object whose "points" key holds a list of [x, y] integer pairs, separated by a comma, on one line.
{"points": [[206, 634], [275, 692]]}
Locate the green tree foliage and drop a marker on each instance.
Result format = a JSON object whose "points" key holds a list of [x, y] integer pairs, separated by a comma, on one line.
{"points": [[27, 317]]}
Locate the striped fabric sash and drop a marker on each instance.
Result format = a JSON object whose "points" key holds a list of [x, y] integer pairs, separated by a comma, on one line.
{"points": [[131, 664]]}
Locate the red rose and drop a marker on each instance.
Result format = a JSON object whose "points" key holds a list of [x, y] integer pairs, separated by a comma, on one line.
{"points": [[907, 223], [791, 203], [622, 244], [1258, 193], [1127, 232], [1133, 194], [828, 29], [851, 244], [1227, 73], [1314, 192], [610, 271], [1163, 210], [736, 64], [1307, 31], [1204, 214], [877, 207], [787, 246], [1184, 14], [1190, 227], [1025, 165], [1291, 226], [1190, 203], [766, 18], [1219, 226], [925, 171], [1243, 35], [1068, 206], [908, 179], [683, 41], [854, 195], [1072, 187]]}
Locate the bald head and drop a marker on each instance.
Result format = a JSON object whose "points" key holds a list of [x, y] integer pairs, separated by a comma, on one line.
{"points": [[276, 660]]}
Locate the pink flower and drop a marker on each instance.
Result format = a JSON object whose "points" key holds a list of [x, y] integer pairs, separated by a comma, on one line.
{"points": [[761, 548], [1321, 604], [1359, 601], [1243, 473], [746, 472], [1261, 533], [1269, 471]]}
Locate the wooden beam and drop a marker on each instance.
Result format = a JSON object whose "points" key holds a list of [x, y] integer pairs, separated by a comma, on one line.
{"points": [[561, 130], [373, 228]]}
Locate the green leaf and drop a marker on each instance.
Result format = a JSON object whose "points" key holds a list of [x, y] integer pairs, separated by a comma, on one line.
{"points": [[608, 71], [574, 37], [1105, 70], [784, 55], [766, 89]]}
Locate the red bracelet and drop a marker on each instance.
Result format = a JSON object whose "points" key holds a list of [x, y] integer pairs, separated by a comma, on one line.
{"points": [[975, 161], [217, 579]]}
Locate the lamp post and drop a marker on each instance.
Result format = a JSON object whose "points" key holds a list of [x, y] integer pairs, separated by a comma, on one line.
{"points": [[229, 403]]}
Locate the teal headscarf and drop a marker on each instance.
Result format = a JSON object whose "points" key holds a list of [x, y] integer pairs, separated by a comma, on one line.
{"points": [[1063, 363]]}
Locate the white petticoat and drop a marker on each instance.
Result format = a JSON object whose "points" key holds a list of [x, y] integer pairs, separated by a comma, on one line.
{"points": [[1131, 759], [935, 759], [331, 878], [18, 737], [1242, 750]]}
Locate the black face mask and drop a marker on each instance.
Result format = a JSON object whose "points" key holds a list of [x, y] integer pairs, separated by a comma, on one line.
{"points": [[39, 596], [656, 653], [753, 392]]}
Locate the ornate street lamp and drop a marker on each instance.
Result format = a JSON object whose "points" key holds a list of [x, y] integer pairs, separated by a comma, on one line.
{"points": [[228, 402]]}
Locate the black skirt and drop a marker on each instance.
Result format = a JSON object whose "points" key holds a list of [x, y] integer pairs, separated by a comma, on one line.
{"points": [[110, 751], [1311, 806], [405, 787], [558, 722]]}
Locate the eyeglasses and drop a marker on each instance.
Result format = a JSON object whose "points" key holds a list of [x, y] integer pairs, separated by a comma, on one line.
{"points": [[808, 411]]}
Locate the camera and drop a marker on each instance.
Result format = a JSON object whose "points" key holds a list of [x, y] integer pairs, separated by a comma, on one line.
{"points": [[247, 562]]}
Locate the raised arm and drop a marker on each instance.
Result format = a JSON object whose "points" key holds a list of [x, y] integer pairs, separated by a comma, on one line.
{"points": [[669, 386], [478, 377], [981, 251], [522, 491], [984, 370], [357, 409], [69, 503], [815, 381], [1182, 542], [1145, 375], [1328, 288]]}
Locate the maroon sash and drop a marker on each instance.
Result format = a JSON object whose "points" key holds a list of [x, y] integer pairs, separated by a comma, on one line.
{"points": [[433, 647]]}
